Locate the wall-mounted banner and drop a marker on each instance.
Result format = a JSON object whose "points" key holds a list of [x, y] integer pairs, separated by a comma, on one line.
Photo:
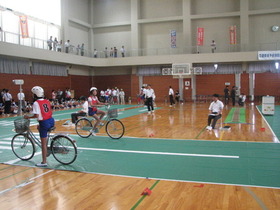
{"points": [[173, 38], [269, 55], [232, 34], [200, 36], [24, 26]]}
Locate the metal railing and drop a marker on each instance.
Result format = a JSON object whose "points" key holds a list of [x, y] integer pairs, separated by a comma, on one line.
{"points": [[15, 38]]}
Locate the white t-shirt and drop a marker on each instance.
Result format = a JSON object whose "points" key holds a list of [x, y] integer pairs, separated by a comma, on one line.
{"points": [[216, 106], [36, 110], [85, 107], [171, 92], [21, 96]]}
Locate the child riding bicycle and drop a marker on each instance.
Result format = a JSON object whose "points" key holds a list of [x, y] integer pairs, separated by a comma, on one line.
{"points": [[43, 112], [93, 103]]}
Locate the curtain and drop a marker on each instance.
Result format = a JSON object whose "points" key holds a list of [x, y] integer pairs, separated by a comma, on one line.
{"points": [[49, 69], [12, 66], [260, 67], [149, 71]]}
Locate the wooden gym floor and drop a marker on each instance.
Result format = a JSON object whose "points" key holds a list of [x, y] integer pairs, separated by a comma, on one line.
{"points": [[242, 173]]}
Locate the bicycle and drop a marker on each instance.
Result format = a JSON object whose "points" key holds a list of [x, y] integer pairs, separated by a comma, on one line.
{"points": [[23, 144], [113, 127]]}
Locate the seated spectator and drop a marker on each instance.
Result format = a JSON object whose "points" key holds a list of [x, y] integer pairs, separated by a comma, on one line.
{"points": [[242, 99], [83, 112]]}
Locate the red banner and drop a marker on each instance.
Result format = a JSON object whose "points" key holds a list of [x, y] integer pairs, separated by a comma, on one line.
{"points": [[232, 34], [23, 26], [200, 36]]}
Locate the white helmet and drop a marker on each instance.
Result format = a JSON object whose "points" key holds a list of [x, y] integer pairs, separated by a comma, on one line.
{"points": [[38, 91], [93, 88]]}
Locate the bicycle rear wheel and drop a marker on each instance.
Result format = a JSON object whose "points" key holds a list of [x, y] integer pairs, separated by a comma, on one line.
{"points": [[115, 129], [83, 127], [64, 149], [23, 147]]}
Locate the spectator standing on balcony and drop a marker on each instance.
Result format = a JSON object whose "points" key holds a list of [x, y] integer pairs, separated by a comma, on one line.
{"points": [[106, 52], [50, 43], [111, 52], [55, 43], [115, 52], [123, 51], [59, 46], [95, 53], [213, 46], [67, 46], [83, 49], [78, 49]]}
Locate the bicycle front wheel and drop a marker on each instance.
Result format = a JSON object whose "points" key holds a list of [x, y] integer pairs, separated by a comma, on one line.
{"points": [[115, 129], [83, 127], [23, 147], [64, 149]]}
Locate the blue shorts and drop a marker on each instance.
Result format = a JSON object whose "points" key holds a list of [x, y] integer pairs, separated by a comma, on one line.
{"points": [[91, 112], [44, 127]]}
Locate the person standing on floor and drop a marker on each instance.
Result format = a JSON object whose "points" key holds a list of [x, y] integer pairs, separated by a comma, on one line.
{"points": [[171, 96], [233, 95], [7, 98], [122, 94], [149, 95], [215, 112], [226, 93], [21, 101], [43, 112]]}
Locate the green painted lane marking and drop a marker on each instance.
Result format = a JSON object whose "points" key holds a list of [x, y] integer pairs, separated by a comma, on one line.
{"points": [[236, 115], [229, 117], [143, 196], [200, 132]]}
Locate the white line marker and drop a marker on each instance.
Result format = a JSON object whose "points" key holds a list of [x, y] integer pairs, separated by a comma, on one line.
{"points": [[158, 153], [16, 160]]}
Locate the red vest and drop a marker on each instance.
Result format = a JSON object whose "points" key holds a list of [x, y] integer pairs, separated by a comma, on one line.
{"points": [[45, 108], [93, 102]]}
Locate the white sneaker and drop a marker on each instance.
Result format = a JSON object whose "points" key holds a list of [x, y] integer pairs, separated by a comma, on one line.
{"points": [[153, 111], [209, 128], [41, 165], [149, 112]]}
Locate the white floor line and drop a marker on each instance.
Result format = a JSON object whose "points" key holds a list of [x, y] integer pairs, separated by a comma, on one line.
{"points": [[158, 153], [29, 181], [16, 160], [276, 140]]}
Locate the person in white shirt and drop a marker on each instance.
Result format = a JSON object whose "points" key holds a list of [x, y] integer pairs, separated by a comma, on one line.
{"points": [[171, 96], [83, 112], [242, 99], [7, 98], [67, 46], [215, 112], [21, 101], [122, 94], [150, 96]]}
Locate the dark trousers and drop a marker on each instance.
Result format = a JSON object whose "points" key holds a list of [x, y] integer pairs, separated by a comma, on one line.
{"points": [[150, 104], [74, 116], [214, 119], [233, 101], [7, 109], [171, 99]]}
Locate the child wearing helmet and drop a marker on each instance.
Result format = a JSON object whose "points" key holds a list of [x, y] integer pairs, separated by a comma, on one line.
{"points": [[93, 103], [41, 110]]}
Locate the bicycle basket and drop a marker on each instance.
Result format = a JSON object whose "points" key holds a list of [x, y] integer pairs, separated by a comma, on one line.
{"points": [[113, 113], [21, 125]]}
